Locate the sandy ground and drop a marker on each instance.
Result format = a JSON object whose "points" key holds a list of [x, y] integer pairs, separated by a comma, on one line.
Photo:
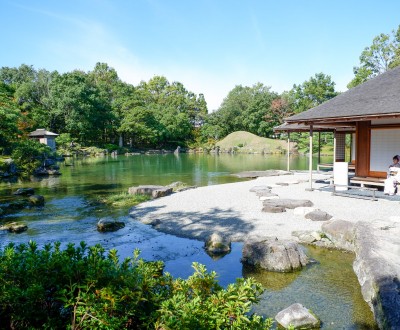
{"points": [[236, 212]]}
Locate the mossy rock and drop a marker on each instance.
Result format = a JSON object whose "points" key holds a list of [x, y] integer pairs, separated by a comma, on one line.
{"points": [[108, 224], [24, 192], [14, 227], [36, 200]]}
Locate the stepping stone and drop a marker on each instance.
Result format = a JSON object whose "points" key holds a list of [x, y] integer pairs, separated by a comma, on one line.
{"points": [[318, 215]]}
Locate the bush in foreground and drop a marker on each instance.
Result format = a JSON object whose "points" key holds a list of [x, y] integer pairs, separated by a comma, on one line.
{"points": [[84, 287]]}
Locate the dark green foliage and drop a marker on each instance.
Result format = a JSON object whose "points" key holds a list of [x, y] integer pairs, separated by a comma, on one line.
{"points": [[244, 109], [9, 116], [82, 287], [97, 108], [29, 154]]}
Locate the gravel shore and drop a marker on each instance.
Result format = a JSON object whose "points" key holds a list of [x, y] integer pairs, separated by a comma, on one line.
{"points": [[233, 210]]}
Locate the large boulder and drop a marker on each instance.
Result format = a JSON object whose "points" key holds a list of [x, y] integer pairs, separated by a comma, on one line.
{"points": [[24, 192], [36, 200], [151, 190], [14, 227], [377, 268], [108, 224], [217, 244], [341, 233], [298, 316], [274, 255]]}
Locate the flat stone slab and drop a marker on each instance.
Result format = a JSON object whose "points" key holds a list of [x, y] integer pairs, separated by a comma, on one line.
{"points": [[260, 188], [318, 215], [272, 196], [151, 190], [256, 174], [288, 203]]}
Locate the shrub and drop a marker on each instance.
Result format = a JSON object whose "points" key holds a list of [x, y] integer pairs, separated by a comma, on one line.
{"points": [[111, 147], [84, 287], [27, 155], [65, 140]]}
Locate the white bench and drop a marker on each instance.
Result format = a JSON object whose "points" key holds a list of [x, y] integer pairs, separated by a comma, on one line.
{"points": [[341, 193], [369, 181]]}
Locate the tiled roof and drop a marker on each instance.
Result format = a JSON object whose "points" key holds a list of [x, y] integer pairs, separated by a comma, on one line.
{"points": [[378, 96], [42, 132]]}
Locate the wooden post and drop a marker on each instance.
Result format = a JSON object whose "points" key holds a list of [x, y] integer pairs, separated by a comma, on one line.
{"points": [[319, 147], [310, 155], [334, 147], [288, 151]]}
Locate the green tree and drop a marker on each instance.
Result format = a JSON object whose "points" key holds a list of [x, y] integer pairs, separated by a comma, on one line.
{"points": [[28, 154], [9, 116], [77, 107], [382, 55], [317, 90], [244, 109], [312, 92]]}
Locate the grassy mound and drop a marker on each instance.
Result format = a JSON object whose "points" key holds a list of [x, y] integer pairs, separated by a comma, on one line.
{"points": [[246, 142]]}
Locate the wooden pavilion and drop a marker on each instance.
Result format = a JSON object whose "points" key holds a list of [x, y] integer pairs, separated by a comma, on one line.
{"points": [[45, 137], [369, 112]]}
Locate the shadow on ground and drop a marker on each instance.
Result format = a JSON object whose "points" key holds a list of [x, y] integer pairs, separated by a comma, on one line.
{"points": [[196, 225]]}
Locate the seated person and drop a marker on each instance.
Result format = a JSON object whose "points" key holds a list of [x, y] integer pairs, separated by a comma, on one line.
{"points": [[392, 180]]}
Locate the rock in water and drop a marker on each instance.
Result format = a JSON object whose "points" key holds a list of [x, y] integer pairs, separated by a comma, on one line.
{"points": [[24, 192], [151, 190], [217, 244], [108, 224], [36, 200], [14, 227], [298, 316], [274, 255]]}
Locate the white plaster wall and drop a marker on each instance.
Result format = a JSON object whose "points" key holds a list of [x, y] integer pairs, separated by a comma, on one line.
{"points": [[385, 143]]}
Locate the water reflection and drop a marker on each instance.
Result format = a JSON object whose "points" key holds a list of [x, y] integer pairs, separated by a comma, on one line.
{"points": [[329, 288], [272, 281]]}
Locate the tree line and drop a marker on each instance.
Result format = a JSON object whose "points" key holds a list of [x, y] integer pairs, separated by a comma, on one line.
{"points": [[98, 108]]}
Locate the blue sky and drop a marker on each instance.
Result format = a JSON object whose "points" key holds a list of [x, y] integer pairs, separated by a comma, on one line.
{"points": [[209, 46]]}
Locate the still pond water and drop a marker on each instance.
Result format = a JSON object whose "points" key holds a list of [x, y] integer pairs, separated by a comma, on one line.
{"points": [[328, 287]]}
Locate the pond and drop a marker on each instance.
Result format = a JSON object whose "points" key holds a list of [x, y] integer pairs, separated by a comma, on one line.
{"points": [[329, 287]]}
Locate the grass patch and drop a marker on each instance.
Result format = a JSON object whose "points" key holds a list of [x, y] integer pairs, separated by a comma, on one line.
{"points": [[123, 199], [246, 142]]}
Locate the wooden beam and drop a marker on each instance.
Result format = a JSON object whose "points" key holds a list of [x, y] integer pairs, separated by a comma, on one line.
{"points": [[363, 148]]}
